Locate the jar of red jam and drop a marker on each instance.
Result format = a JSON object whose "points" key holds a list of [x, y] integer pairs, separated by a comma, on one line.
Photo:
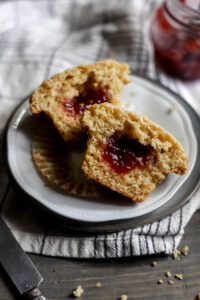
{"points": [[175, 33]]}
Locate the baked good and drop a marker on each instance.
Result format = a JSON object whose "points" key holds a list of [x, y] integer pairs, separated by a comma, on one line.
{"points": [[65, 96], [129, 153]]}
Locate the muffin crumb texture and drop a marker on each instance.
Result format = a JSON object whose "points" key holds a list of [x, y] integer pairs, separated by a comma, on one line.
{"points": [[154, 153]]}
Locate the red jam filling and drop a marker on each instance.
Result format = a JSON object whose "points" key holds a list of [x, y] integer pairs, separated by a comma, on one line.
{"points": [[79, 104], [124, 155], [176, 48]]}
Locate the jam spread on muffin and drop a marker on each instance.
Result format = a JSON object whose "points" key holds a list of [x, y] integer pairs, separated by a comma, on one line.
{"points": [[127, 152], [77, 105], [124, 155], [67, 95]]}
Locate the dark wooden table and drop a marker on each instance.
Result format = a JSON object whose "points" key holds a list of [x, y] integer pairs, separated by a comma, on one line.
{"points": [[134, 277]]}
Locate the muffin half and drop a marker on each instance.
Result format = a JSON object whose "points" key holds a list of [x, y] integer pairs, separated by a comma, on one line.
{"points": [[66, 96], [129, 153]]}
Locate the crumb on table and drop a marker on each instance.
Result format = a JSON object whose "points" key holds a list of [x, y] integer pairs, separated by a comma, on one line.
{"points": [[160, 281], [176, 254], [184, 251], [170, 282], [178, 276], [78, 291], [98, 284], [124, 297], [168, 274]]}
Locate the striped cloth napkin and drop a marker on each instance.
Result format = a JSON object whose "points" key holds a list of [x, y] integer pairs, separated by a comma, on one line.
{"points": [[41, 38]]}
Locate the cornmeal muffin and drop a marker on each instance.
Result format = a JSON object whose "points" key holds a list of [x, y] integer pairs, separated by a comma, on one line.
{"points": [[128, 152], [65, 96]]}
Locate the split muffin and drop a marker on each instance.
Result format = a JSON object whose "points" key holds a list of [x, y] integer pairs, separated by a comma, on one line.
{"points": [[129, 153], [66, 96]]}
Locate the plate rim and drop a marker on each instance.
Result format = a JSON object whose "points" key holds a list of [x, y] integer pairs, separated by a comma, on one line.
{"points": [[111, 225]]}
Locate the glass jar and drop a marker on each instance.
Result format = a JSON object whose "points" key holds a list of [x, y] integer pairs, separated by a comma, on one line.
{"points": [[175, 33]]}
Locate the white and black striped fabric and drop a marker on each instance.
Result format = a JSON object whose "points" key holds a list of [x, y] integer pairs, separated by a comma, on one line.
{"points": [[39, 38]]}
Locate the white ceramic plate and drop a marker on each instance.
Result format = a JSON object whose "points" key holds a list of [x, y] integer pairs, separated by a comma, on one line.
{"points": [[111, 213]]}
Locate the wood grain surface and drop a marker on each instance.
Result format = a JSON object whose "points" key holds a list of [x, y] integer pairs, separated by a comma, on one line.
{"points": [[135, 277]]}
